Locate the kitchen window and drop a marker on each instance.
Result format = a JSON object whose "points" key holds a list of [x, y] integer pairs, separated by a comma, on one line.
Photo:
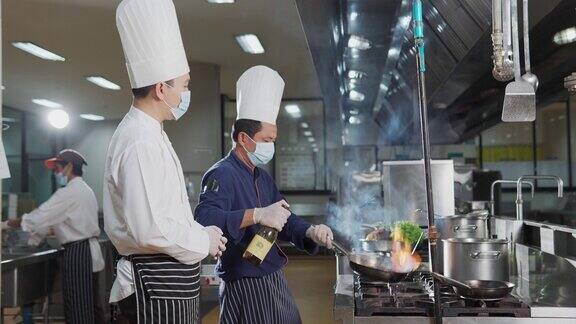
{"points": [[299, 163], [28, 141], [552, 143], [508, 148]]}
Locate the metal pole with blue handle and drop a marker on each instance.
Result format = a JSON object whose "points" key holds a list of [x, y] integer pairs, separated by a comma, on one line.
{"points": [[421, 67]]}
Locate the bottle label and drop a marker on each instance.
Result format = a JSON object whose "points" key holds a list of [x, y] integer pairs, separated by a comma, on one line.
{"points": [[259, 247]]}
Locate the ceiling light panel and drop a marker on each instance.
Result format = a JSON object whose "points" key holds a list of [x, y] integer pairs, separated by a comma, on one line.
{"points": [[38, 51], [92, 117], [104, 83], [250, 43], [47, 103]]}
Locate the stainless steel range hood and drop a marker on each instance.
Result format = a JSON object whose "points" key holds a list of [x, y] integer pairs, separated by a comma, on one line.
{"points": [[463, 96]]}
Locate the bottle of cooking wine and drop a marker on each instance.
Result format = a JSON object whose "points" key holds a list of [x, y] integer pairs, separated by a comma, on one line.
{"points": [[260, 245]]}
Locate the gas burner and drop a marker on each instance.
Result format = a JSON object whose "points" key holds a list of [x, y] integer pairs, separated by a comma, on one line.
{"points": [[414, 297], [456, 306]]}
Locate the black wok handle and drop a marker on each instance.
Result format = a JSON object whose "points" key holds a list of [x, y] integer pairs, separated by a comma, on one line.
{"points": [[339, 248], [450, 281]]}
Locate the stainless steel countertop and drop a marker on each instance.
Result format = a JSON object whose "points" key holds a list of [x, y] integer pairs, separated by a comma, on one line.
{"points": [[17, 256], [544, 281], [12, 258], [547, 283]]}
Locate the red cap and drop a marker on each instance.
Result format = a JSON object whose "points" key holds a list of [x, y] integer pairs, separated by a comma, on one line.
{"points": [[66, 156]]}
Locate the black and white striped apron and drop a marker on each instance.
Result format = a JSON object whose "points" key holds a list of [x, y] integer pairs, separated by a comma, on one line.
{"points": [[77, 283], [167, 291], [265, 300]]}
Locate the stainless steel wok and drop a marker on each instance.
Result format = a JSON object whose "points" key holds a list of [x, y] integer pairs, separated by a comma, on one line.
{"points": [[478, 289], [375, 265]]}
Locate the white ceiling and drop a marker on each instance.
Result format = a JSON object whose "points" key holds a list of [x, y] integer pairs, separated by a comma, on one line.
{"points": [[84, 32]]}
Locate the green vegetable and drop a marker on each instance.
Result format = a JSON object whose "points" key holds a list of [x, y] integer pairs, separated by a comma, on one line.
{"points": [[410, 232]]}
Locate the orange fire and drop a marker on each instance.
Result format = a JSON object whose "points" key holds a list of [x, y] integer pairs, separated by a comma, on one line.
{"points": [[402, 258]]}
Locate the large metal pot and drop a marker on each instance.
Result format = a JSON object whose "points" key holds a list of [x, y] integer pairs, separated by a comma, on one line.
{"points": [[476, 259], [472, 225]]}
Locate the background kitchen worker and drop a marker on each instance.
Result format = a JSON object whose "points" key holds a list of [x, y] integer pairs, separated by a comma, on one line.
{"points": [[72, 214]]}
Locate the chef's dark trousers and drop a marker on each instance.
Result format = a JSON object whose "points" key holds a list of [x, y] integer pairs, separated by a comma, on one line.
{"points": [[264, 300], [77, 283]]}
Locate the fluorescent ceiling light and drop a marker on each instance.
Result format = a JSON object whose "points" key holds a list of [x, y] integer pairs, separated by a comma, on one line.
{"points": [[565, 36], [104, 83], [92, 117], [311, 139], [405, 20], [355, 74], [250, 43], [307, 133], [354, 120], [356, 96], [353, 16], [358, 42], [304, 125], [47, 103], [38, 51], [293, 110], [58, 119], [220, 1], [393, 52]]}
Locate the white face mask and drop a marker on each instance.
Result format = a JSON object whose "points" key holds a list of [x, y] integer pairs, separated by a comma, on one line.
{"points": [[263, 154], [182, 107]]}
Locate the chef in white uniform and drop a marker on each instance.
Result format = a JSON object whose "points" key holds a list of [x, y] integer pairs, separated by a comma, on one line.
{"points": [[72, 214], [147, 214]]}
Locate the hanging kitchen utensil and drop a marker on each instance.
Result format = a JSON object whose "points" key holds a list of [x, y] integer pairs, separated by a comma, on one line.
{"points": [[503, 68], [528, 75], [487, 290], [570, 83], [520, 98]]}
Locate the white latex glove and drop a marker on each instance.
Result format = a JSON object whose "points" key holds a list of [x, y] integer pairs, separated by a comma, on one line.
{"points": [[275, 215], [320, 234], [217, 241]]}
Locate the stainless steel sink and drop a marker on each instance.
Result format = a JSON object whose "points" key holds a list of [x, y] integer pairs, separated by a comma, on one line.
{"points": [[26, 276]]}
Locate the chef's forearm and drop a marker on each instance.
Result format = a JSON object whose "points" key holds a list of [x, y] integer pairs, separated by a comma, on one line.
{"points": [[248, 219]]}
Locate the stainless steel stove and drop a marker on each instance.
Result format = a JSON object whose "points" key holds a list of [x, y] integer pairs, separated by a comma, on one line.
{"points": [[544, 294], [415, 297]]}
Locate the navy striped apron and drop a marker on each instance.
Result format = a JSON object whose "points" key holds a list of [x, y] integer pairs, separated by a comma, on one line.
{"points": [[167, 291], [264, 300], [77, 283]]}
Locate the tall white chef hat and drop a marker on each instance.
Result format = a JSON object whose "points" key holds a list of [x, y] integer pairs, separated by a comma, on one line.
{"points": [[258, 94], [151, 41]]}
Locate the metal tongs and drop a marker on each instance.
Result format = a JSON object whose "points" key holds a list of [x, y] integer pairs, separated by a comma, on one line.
{"points": [[520, 98]]}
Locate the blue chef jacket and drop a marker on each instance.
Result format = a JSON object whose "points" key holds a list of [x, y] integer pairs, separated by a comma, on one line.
{"points": [[228, 189]]}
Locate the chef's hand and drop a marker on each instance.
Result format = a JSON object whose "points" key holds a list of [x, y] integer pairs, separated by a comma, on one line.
{"points": [[320, 234], [12, 223], [217, 241], [275, 215]]}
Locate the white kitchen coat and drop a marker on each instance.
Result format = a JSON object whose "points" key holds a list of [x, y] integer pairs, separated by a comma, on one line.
{"points": [[72, 213], [146, 207]]}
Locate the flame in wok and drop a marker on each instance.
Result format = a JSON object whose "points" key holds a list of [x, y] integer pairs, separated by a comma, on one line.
{"points": [[402, 258]]}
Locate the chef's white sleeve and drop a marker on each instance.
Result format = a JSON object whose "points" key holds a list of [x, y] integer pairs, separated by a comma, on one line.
{"points": [[145, 190], [51, 212]]}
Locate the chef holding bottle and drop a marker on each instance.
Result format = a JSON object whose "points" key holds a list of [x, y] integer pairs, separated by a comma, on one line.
{"points": [[242, 199]]}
